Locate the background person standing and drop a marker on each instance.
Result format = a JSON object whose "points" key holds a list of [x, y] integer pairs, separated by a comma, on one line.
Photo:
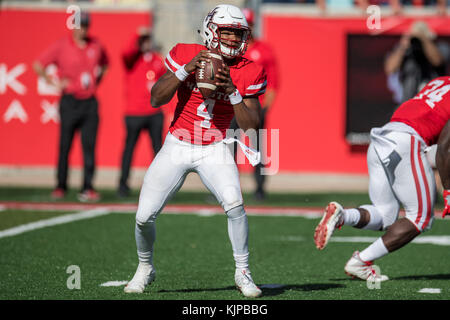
{"points": [[143, 67], [81, 62], [262, 54]]}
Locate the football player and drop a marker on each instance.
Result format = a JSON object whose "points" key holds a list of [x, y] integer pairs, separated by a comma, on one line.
{"points": [[194, 142], [399, 174]]}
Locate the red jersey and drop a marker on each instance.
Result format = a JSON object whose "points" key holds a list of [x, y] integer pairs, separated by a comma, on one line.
{"points": [[204, 121], [428, 111], [261, 53], [142, 72], [81, 66]]}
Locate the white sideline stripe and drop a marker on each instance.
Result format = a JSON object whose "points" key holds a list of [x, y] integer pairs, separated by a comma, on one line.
{"points": [[53, 222], [114, 283], [429, 290]]}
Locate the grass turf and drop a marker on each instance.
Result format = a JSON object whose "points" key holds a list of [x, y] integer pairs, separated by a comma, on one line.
{"points": [[194, 261]]}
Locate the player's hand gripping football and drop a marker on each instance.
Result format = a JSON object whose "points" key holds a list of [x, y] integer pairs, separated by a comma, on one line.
{"points": [[446, 203], [197, 60], [225, 80]]}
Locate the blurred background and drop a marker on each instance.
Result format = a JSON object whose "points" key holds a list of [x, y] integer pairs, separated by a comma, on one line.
{"points": [[334, 85]]}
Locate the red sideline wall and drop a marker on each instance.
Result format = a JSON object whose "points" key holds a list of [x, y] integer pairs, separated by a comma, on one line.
{"points": [[309, 111], [24, 35]]}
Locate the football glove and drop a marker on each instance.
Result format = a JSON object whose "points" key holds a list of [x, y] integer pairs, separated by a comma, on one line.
{"points": [[446, 203]]}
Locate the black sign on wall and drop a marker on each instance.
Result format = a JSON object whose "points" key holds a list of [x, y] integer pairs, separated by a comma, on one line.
{"points": [[370, 103]]}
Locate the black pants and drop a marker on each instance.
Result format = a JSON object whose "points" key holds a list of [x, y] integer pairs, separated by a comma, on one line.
{"points": [[134, 124], [77, 114], [259, 178]]}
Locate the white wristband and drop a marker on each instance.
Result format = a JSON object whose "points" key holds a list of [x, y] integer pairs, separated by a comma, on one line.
{"points": [[181, 73], [235, 97]]}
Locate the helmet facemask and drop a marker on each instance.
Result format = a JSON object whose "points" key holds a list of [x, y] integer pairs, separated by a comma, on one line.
{"points": [[232, 48]]}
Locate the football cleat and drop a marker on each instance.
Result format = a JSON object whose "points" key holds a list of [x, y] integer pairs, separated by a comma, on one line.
{"points": [[58, 193], [89, 195], [245, 284], [333, 218], [357, 268], [145, 274]]}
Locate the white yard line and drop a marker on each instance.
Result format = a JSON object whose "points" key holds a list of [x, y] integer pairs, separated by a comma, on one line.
{"points": [[53, 222], [430, 290]]}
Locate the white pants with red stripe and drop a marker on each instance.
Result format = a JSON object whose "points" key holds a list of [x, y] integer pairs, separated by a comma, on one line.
{"points": [[400, 175], [214, 164]]}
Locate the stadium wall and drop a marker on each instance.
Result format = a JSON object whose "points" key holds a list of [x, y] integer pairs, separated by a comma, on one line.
{"points": [[309, 112]]}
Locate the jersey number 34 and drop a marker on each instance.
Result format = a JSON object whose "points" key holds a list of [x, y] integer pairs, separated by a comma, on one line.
{"points": [[434, 94]]}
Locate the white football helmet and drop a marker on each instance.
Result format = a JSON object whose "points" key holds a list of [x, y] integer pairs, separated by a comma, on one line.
{"points": [[225, 16]]}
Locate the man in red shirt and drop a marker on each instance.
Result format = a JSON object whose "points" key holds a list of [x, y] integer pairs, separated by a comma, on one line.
{"points": [[81, 62], [261, 53], [195, 142], [399, 175], [144, 66]]}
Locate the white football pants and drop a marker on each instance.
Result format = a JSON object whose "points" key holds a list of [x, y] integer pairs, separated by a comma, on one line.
{"points": [[400, 175], [214, 164]]}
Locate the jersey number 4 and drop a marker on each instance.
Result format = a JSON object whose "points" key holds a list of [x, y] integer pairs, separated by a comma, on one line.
{"points": [[205, 111], [435, 93]]}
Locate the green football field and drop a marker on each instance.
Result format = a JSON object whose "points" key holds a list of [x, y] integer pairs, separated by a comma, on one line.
{"points": [[193, 256]]}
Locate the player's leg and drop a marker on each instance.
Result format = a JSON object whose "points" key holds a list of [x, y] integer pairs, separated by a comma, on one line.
{"points": [[384, 206], [219, 173], [68, 125], [234, 126], [155, 128], [260, 179], [415, 188], [89, 130], [133, 126], [163, 179], [379, 215], [413, 184]]}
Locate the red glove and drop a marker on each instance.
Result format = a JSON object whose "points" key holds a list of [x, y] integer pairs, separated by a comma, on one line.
{"points": [[446, 203]]}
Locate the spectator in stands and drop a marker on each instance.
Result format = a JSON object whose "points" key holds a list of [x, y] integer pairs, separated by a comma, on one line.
{"points": [[441, 5], [416, 60], [143, 67], [261, 53], [334, 4], [81, 61]]}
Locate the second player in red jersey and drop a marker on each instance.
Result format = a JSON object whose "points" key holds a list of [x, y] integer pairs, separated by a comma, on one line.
{"points": [[194, 142], [428, 111], [400, 175]]}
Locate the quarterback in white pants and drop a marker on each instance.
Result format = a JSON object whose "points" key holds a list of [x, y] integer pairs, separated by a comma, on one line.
{"points": [[195, 141], [399, 175]]}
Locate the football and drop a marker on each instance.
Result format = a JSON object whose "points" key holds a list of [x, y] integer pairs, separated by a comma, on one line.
{"points": [[206, 76]]}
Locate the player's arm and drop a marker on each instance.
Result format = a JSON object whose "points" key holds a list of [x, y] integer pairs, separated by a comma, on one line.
{"points": [[39, 68], [246, 110], [166, 86], [40, 71], [443, 164]]}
